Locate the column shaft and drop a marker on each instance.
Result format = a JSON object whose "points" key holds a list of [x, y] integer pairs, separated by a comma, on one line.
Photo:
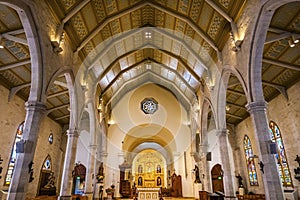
{"points": [[224, 152], [272, 184], [66, 184], [90, 172], [34, 114]]}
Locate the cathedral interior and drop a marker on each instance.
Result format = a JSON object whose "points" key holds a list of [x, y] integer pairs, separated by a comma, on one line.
{"points": [[149, 99]]}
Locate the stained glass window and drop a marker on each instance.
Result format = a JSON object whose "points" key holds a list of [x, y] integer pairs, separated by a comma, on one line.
{"points": [[282, 164], [47, 163], [13, 156], [149, 105], [250, 161]]}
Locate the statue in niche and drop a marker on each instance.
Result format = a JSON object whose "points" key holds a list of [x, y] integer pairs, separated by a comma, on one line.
{"points": [[140, 169], [100, 175], [197, 177], [158, 181], [50, 181], [140, 181], [158, 169]]}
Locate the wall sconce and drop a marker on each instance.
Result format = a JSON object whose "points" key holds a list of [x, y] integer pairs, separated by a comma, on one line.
{"points": [[291, 43], [57, 44], [236, 43], [56, 47], [295, 40]]}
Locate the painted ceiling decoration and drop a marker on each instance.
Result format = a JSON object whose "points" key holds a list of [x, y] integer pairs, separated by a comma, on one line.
{"points": [[172, 43]]}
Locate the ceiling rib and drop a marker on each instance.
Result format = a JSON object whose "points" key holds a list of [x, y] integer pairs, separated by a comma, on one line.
{"points": [[13, 91], [234, 116], [57, 94], [233, 25], [69, 16], [10, 36], [281, 64], [62, 84], [138, 63], [189, 22], [282, 34], [280, 88], [131, 33], [192, 72], [56, 108], [105, 22], [13, 65], [62, 117], [236, 92], [235, 105], [157, 6]]}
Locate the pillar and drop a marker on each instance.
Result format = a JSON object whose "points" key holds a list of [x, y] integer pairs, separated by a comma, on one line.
{"points": [[224, 152], [66, 184], [90, 173], [34, 114], [272, 184]]}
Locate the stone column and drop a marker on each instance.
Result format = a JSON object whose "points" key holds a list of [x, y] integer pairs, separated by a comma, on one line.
{"points": [[272, 184], [204, 168], [90, 172], [66, 184], [224, 152], [35, 111]]}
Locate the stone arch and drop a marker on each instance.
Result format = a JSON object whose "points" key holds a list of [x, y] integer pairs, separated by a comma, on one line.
{"points": [[34, 43], [207, 107], [227, 72], [257, 46]]}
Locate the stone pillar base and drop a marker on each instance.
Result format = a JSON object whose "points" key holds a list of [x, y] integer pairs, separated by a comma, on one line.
{"points": [[65, 198]]}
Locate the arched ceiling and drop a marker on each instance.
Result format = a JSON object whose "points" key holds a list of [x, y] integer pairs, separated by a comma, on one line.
{"points": [[87, 23]]}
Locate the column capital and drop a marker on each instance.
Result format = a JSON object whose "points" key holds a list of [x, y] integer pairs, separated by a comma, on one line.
{"points": [[256, 106], [72, 133], [35, 105], [222, 132]]}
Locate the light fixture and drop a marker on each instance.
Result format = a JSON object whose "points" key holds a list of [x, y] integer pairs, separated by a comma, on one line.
{"points": [[1, 43], [291, 43], [295, 40], [148, 35], [227, 108]]}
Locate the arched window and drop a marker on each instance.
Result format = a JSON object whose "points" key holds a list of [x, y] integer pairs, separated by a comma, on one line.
{"points": [[282, 164], [250, 161], [13, 156]]}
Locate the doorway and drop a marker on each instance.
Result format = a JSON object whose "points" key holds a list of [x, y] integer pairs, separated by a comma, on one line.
{"points": [[217, 178]]}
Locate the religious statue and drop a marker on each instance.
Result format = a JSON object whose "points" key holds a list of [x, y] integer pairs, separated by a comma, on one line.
{"points": [[240, 181], [158, 169], [197, 177], [51, 181], [140, 169], [140, 181], [100, 175], [158, 181]]}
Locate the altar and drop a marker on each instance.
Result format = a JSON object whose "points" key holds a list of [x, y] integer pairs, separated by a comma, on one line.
{"points": [[148, 193]]}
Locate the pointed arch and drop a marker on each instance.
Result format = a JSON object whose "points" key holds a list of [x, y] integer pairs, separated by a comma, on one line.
{"points": [[249, 155], [282, 163], [13, 155]]}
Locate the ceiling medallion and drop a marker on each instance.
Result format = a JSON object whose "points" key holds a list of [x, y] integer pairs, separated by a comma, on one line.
{"points": [[149, 105]]}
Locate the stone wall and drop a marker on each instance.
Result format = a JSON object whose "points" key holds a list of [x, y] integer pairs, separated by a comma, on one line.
{"points": [[286, 114], [12, 114]]}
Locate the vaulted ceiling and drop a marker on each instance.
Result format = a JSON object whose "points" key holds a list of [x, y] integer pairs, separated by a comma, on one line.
{"points": [[172, 60]]}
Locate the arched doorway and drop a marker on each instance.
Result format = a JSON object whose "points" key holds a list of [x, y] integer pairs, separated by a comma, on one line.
{"points": [[78, 178], [217, 178]]}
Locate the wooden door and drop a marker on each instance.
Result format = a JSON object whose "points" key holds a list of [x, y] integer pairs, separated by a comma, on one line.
{"points": [[217, 178]]}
